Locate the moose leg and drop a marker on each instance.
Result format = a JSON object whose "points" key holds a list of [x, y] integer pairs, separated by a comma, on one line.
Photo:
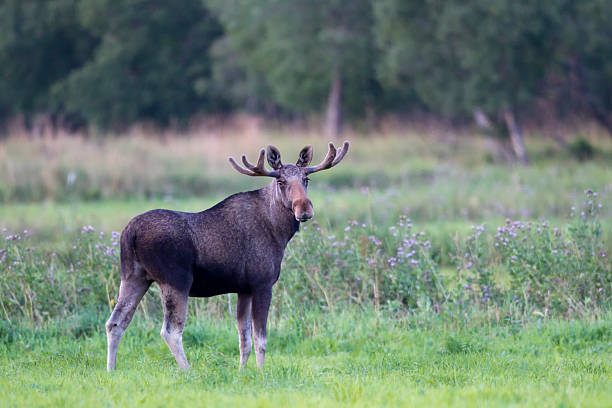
{"points": [[244, 327], [261, 304], [175, 313], [130, 293]]}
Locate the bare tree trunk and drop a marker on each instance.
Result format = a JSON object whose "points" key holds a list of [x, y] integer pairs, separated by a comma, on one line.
{"points": [[516, 136], [333, 120], [481, 119]]}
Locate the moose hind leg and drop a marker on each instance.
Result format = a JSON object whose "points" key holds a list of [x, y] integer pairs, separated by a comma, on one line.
{"points": [[175, 313], [244, 327], [261, 304], [130, 293]]}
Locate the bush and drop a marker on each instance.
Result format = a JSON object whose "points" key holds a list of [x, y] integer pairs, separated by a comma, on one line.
{"points": [[526, 267]]}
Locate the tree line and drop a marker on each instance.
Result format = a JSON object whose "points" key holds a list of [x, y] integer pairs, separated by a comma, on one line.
{"points": [[111, 63]]}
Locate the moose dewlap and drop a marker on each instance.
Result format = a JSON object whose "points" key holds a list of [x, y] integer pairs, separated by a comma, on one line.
{"points": [[234, 247]]}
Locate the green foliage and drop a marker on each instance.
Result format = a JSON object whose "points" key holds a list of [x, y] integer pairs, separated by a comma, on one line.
{"points": [[37, 285], [460, 56], [41, 41], [581, 148], [151, 62], [540, 259], [296, 48], [550, 272], [113, 63]]}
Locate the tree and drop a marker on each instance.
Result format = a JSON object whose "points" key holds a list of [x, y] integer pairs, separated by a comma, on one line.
{"points": [[308, 52], [151, 62], [41, 41], [585, 60], [490, 55]]}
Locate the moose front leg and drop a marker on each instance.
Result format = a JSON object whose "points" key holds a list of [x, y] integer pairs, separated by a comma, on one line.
{"points": [[244, 327], [261, 305]]}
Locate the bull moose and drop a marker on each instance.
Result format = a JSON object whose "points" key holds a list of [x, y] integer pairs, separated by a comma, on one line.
{"points": [[234, 247]]}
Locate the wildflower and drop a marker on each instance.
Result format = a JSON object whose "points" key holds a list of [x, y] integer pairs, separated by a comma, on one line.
{"points": [[554, 251], [414, 261], [347, 229], [469, 265]]}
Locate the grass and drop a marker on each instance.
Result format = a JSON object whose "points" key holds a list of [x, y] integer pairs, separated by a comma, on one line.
{"points": [[330, 342], [348, 359]]}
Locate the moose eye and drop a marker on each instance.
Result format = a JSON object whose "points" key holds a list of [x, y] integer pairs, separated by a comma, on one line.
{"points": [[281, 183]]}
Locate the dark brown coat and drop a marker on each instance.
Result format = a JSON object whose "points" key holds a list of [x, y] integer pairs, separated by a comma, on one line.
{"points": [[234, 247]]}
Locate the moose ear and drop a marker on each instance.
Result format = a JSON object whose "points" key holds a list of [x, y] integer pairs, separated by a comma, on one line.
{"points": [[305, 157], [274, 159]]}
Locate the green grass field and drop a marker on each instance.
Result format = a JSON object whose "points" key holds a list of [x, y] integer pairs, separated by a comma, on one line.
{"points": [[351, 359], [350, 325]]}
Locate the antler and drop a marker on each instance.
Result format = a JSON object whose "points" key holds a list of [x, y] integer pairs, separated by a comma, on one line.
{"points": [[257, 170], [332, 158]]}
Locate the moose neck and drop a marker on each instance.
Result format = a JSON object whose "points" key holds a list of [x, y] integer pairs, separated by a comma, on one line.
{"points": [[281, 219]]}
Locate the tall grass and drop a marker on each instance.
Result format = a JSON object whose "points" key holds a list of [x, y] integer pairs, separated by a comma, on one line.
{"points": [[517, 268], [140, 166]]}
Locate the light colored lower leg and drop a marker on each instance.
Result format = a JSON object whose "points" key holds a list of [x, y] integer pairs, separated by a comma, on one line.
{"points": [[113, 337], [175, 313], [130, 294], [260, 348], [244, 336], [174, 340], [243, 315]]}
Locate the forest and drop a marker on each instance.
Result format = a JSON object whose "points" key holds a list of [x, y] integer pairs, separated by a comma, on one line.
{"points": [[107, 64]]}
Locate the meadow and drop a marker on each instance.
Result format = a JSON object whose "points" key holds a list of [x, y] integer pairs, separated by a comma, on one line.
{"points": [[434, 273]]}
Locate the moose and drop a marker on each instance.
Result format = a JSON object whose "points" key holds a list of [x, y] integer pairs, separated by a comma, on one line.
{"points": [[234, 247]]}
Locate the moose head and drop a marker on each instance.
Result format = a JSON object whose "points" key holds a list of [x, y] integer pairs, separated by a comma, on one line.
{"points": [[292, 179]]}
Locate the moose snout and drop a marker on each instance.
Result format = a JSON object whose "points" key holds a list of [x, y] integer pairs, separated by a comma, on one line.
{"points": [[302, 209]]}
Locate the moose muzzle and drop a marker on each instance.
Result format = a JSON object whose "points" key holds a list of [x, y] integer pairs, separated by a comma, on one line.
{"points": [[302, 209]]}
